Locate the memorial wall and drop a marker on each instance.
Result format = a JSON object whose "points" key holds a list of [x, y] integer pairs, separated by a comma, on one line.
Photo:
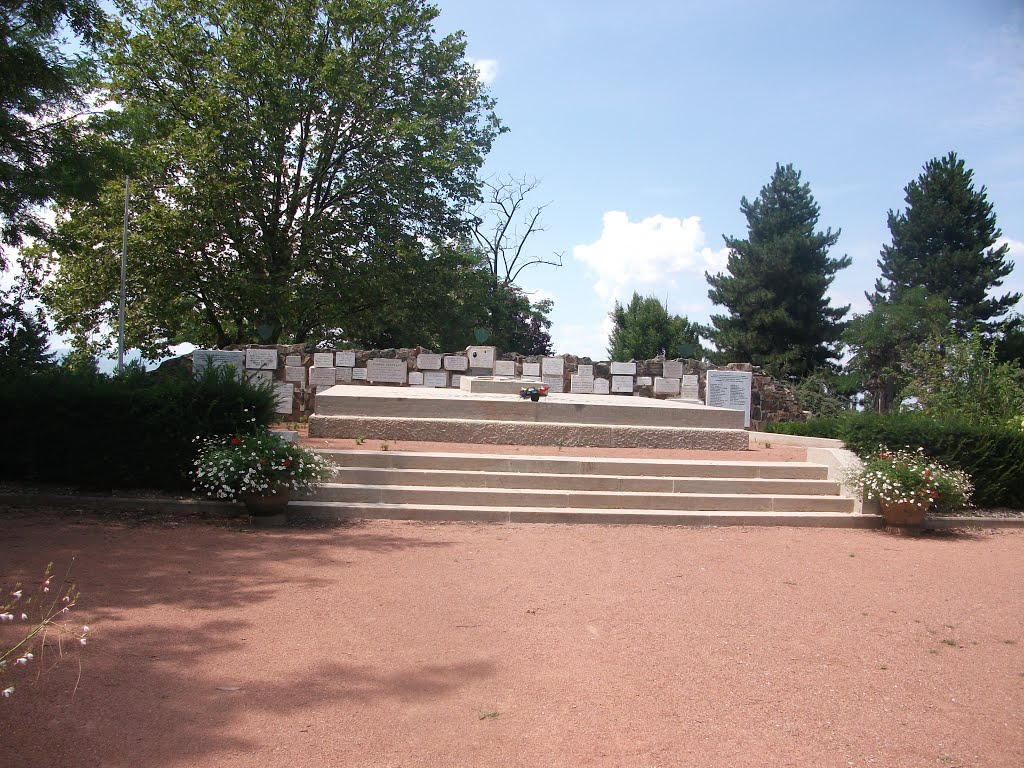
{"points": [[297, 372]]}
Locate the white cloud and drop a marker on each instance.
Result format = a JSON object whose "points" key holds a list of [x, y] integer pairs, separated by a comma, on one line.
{"points": [[487, 69], [655, 256]]}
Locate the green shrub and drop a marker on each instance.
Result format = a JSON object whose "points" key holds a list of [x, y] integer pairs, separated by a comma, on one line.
{"points": [[135, 429], [992, 455]]}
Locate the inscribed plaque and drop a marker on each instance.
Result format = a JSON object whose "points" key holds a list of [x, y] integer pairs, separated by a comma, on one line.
{"points": [[663, 386], [455, 363], [386, 369], [600, 386], [323, 377], [296, 373], [622, 383], [556, 383], [585, 370], [435, 379], [644, 381], [283, 394], [345, 359], [323, 359], [673, 369], [293, 360], [481, 357], [730, 389], [415, 379], [202, 359], [505, 368], [259, 377], [552, 366], [623, 369], [531, 369], [261, 359], [581, 385], [457, 380], [343, 375], [428, 362], [358, 374], [689, 387]]}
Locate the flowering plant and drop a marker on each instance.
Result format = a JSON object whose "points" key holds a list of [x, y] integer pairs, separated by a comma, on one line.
{"points": [[908, 477], [227, 467]]}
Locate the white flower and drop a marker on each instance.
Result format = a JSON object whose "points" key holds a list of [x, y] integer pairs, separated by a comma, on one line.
{"points": [[82, 641], [85, 630], [8, 691], [16, 594]]}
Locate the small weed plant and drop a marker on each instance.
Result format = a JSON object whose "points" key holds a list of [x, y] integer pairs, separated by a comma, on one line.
{"points": [[28, 617]]}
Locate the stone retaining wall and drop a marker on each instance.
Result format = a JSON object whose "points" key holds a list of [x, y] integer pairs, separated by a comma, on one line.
{"points": [[770, 401]]}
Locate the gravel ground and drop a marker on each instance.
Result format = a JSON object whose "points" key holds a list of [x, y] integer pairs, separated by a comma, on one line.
{"points": [[407, 644]]}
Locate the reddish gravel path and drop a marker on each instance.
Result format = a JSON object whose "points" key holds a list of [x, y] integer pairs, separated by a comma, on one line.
{"points": [[408, 644]]}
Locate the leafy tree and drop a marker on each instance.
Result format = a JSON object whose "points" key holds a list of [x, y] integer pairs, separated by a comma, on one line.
{"points": [[779, 316], [882, 341], [956, 376], [23, 336], [289, 159], [519, 325], [644, 329], [42, 89], [943, 242]]}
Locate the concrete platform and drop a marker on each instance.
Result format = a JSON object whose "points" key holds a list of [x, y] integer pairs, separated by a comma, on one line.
{"points": [[453, 415]]}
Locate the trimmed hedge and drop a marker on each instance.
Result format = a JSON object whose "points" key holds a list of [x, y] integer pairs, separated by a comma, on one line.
{"points": [[135, 430], [993, 456]]}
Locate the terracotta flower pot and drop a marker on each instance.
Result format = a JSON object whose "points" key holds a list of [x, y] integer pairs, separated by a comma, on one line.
{"points": [[268, 509], [909, 515]]}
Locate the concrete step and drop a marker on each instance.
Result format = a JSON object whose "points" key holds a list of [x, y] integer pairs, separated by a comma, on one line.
{"points": [[580, 499], [678, 468], [468, 513], [583, 481]]}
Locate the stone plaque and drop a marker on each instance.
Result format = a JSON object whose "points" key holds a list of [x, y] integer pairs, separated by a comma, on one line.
{"points": [[256, 378], [457, 380], [663, 386], [644, 381], [622, 383], [505, 368], [202, 359], [481, 357], [296, 373], [435, 379], [689, 387], [585, 370], [387, 370], [345, 359], [326, 376], [730, 389], [673, 369], [531, 369], [552, 366], [623, 369], [581, 385], [428, 362], [557, 383], [261, 359], [283, 394], [456, 363], [601, 386], [415, 379], [323, 359], [343, 375], [293, 360], [358, 374]]}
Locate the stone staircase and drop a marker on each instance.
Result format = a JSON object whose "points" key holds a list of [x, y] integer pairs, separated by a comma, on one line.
{"points": [[555, 489]]}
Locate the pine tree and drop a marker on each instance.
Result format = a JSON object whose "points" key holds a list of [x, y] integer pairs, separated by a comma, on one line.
{"points": [[779, 316], [644, 329], [943, 243]]}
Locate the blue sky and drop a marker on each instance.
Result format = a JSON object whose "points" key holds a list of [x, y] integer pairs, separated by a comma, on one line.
{"points": [[647, 122]]}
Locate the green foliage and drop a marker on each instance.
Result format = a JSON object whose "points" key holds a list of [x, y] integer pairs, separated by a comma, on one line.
{"points": [[132, 430], [883, 341], [644, 330], [775, 290], [992, 455], [288, 159], [41, 149], [23, 339], [962, 377], [824, 394], [943, 243]]}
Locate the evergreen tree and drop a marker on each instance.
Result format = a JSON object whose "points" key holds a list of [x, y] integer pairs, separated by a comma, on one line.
{"points": [[779, 316], [644, 329], [943, 243]]}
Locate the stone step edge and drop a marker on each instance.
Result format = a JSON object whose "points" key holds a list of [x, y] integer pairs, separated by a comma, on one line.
{"points": [[338, 510], [541, 477], [454, 489], [611, 460]]}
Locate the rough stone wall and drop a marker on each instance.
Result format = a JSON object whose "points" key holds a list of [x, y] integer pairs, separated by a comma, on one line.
{"points": [[770, 400]]}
